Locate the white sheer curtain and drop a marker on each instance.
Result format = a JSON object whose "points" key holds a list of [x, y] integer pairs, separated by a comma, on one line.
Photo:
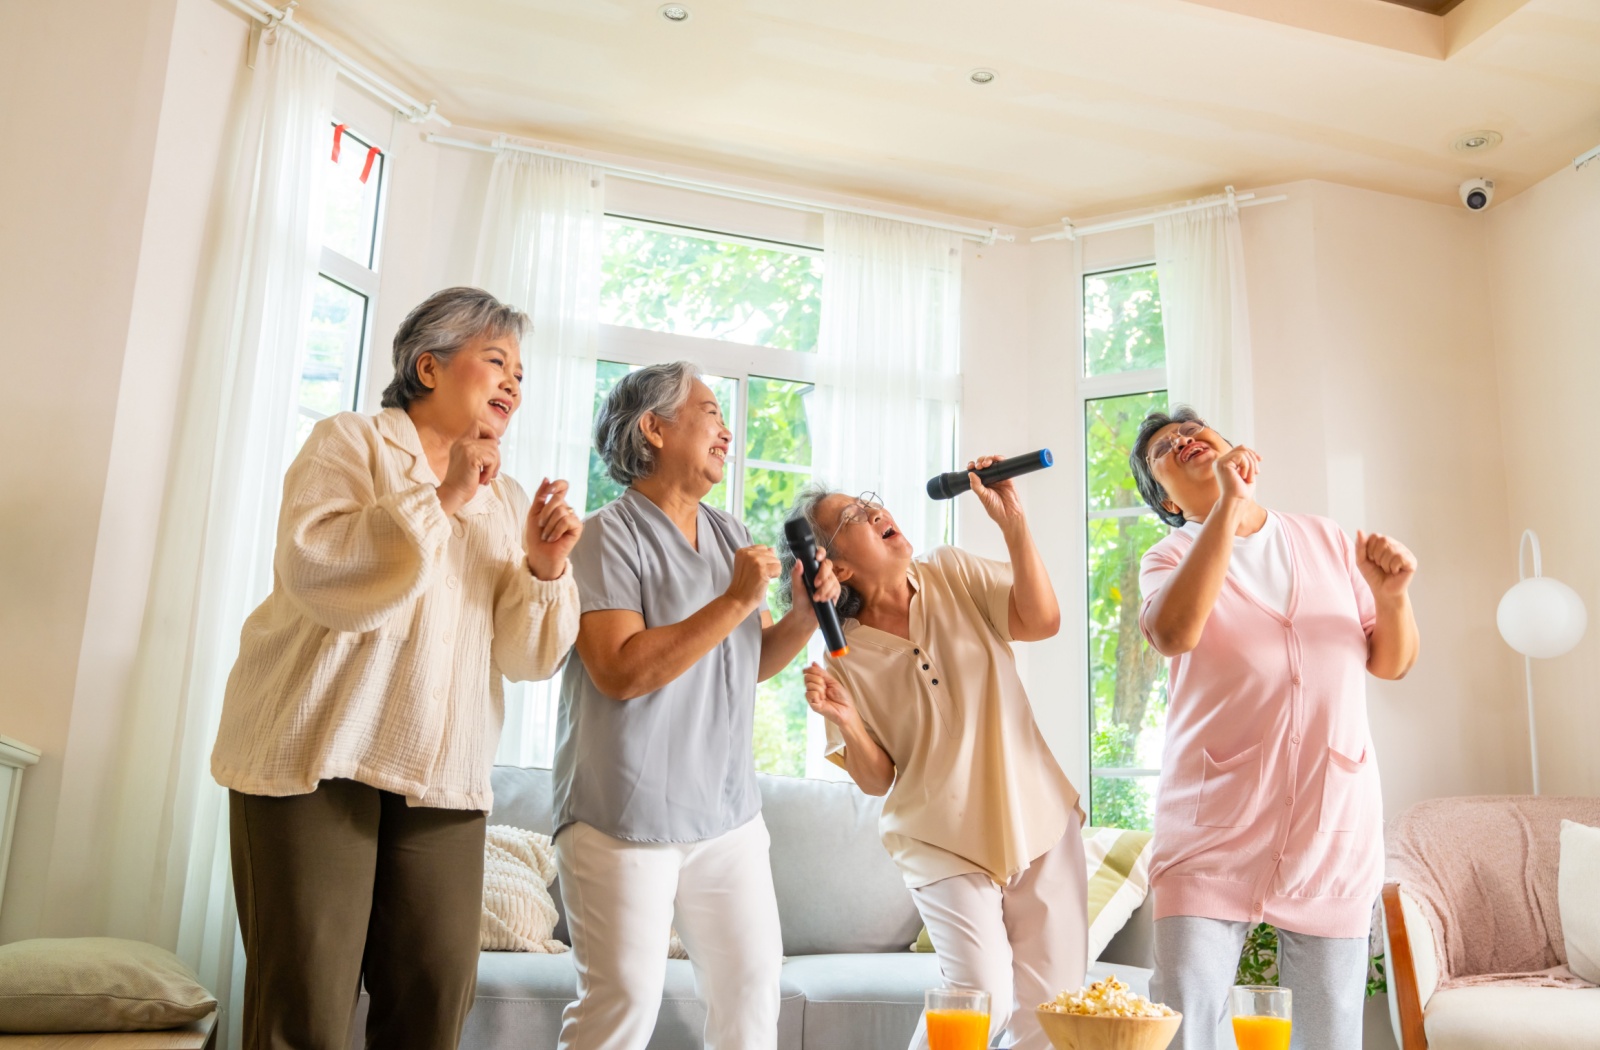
{"points": [[171, 872], [539, 248], [888, 365], [1200, 264]]}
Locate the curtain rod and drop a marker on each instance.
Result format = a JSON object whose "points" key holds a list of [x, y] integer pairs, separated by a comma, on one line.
{"points": [[502, 142], [265, 14], [1587, 158], [1071, 232]]}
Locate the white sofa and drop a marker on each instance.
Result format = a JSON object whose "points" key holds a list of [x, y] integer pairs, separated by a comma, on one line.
{"points": [[848, 981]]}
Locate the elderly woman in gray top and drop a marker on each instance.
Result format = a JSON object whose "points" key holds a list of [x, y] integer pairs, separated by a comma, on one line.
{"points": [[657, 811]]}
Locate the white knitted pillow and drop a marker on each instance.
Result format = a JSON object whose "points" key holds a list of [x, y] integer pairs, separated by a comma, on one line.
{"points": [[519, 914]]}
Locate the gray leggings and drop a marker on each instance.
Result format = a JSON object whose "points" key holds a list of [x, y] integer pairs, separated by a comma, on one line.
{"points": [[1196, 960]]}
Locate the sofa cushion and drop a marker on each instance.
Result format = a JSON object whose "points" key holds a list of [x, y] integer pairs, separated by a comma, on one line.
{"points": [[522, 799], [873, 1000], [520, 998], [862, 1002], [1494, 1017], [838, 890], [1579, 886]]}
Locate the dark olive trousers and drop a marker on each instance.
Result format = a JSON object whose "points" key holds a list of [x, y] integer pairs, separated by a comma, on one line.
{"points": [[349, 884]]}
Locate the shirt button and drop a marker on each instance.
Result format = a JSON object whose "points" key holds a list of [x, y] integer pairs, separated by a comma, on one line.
{"points": [[1277, 856], [1256, 905], [1295, 679], [916, 652], [1294, 740], [459, 529], [452, 582], [438, 694], [924, 667], [935, 681], [1289, 801], [447, 638]]}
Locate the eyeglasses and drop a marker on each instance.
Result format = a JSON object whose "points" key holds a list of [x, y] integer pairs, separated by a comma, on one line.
{"points": [[861, 509], [1168, 443]]}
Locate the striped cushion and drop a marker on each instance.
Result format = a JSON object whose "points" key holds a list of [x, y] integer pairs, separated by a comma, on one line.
{"points": [[1119, 879]]}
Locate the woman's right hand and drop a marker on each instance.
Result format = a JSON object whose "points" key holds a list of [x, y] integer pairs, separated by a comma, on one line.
{"points": [[1237, 470], [828, 698], [753, 568], [474, 461]]}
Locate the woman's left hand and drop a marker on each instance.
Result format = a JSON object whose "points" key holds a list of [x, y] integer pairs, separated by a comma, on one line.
{"points": [[1385, 563], [827, 585], [552, 530], [1000, 500]]}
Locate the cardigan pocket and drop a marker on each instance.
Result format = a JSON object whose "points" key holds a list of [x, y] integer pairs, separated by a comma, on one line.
{"points": [[1230, 789], [1343, 792]]}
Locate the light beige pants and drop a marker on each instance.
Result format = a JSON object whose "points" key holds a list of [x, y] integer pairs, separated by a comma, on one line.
{"points": [[1022, 942], [620, 899]]}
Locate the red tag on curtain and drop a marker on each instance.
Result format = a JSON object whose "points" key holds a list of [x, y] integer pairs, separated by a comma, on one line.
{"points": [[338, 136], [372, 154]]}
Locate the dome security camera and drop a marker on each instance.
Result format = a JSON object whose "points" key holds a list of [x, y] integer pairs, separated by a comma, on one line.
{"points": [[1477, 193]]}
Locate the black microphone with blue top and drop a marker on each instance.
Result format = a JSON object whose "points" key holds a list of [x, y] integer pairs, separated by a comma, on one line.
{"points": [[953, 484]]}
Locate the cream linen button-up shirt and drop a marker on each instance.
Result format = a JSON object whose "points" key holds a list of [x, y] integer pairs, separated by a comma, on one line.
{"points": [[976, 788], [378, 655]]}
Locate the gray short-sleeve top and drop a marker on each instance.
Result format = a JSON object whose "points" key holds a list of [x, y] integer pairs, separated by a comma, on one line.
{"points": [[675, 765]]}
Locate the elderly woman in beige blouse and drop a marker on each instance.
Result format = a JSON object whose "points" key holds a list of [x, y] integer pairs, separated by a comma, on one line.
{"points": [[361, 718], [927, 708]]}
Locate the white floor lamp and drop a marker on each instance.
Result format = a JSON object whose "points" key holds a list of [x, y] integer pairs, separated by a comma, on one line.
{"points": [[1539, 617]]}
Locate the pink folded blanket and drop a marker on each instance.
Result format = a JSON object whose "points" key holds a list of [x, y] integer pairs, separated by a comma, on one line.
{"points": [[1484, 871]]}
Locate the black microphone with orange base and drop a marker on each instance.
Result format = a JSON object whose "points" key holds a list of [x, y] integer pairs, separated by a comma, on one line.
{"points": [[803, 544]]}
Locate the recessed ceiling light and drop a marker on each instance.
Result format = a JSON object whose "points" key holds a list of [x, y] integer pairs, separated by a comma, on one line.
{"points": [[674, 12], [1477, 141], [982, 76]]}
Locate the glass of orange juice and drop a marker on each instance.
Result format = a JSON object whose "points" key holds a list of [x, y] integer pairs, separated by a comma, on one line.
{"points": [[958, 1019], [1261, 1019]]}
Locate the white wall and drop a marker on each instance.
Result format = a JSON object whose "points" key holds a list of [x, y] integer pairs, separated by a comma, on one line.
{"points": [[1544, 266], [1376, 404], [203, 81], [82, 85]]}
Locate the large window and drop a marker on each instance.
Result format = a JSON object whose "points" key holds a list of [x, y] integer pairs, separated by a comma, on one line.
{"points": [[747, 312], [346, 282], [1124, 378]]}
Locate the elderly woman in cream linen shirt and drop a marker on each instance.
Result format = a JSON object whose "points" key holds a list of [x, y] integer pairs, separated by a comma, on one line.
{"points": [[928, 708], [361, 718]]}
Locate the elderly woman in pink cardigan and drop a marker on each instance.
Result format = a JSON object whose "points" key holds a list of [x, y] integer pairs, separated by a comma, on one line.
{"points": [[1269, 806]]}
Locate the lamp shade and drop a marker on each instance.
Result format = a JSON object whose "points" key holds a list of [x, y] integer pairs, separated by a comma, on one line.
{"points": [[1541, 617]]}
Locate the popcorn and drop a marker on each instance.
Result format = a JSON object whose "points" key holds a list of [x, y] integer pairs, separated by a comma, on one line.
{"points": [[1107, 998]]}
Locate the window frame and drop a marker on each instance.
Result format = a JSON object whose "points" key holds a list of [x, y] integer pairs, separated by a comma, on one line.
{"points": [[737, 361], [356, 277], [1091, 389]]}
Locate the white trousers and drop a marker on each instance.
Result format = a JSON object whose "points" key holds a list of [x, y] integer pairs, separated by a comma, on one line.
{"points": [[1197, 958], [1022, 942], [620, 900]]}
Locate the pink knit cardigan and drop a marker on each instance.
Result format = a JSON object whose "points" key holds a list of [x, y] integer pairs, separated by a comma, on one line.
{"points": [[1269, 806]]}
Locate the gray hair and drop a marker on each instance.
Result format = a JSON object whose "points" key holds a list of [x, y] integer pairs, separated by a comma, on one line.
{"points": [[1154, 493], [441, 325], [806, 505], [658, 389]]}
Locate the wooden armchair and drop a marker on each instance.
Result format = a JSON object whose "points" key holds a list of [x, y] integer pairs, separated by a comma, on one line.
{"points": [[1472, 927]]}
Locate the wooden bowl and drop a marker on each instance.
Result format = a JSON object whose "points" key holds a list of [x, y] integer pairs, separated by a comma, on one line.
{"points": [[1084, 1032]]}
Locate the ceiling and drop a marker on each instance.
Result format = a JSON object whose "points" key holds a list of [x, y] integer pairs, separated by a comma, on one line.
{"points": [[1099, 105]]}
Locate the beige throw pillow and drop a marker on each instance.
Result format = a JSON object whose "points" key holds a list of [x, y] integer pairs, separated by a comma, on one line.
{"points": [[519, 915], [96, 984], [1577, 876]]}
